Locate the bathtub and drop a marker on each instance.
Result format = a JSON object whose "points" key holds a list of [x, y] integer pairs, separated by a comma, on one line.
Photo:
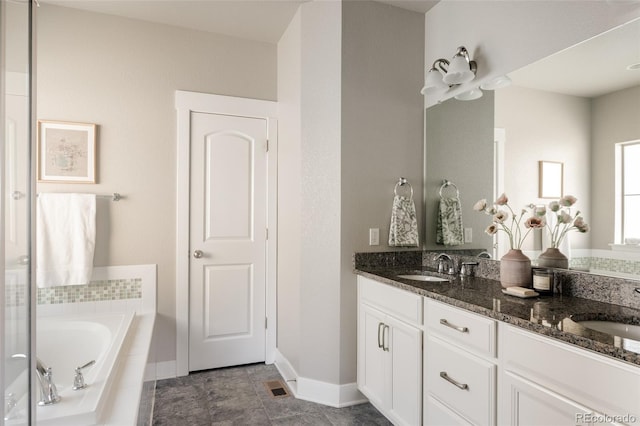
{"points": [[66, 342]]}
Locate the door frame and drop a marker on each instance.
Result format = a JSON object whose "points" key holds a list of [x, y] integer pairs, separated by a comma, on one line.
{"points": [[185, 104]]}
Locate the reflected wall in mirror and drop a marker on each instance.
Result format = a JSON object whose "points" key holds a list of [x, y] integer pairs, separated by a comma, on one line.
{"points": [[567, 109]]}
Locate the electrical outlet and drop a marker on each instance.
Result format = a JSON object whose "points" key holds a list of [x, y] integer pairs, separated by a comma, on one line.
{"points": [[374, 236], [468, 235]]}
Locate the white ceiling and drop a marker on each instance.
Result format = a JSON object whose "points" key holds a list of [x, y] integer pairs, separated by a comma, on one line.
{"points": [[589, 69], [261, 20]]}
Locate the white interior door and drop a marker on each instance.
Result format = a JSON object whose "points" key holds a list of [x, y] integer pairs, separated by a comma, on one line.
{"points": [[228, 225]]}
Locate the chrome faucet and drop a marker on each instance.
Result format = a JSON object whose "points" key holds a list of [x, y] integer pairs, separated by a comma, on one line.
{"points": [[48, 390], [442, 259], [484, 254], [78, 380]]}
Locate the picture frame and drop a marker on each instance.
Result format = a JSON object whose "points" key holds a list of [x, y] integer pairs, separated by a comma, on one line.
{"points": [[551, 179], [66, 152]]}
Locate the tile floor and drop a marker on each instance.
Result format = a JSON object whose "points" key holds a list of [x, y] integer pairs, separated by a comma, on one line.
{"points": [[238, 396]]}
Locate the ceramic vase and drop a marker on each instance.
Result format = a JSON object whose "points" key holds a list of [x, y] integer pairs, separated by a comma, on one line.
{"points": [[553, 258], [515, 269]]}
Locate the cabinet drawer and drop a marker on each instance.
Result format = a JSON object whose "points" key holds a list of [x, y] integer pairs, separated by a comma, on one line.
{"points": [[462, 381], [473, 331], [602, 384], [437, 414], [399, 303]]}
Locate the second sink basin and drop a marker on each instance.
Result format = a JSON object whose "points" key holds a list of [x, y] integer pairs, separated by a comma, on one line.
{"points": [[627, 331], [416, 277]]}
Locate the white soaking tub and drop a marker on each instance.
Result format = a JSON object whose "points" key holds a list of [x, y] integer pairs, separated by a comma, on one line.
{"points": [[66, 342]]}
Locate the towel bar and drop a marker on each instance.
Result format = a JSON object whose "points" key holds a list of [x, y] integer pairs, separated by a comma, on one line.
{"points": [[116, 196]]}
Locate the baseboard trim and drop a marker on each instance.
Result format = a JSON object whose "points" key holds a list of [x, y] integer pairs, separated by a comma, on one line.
{"points": [[166, 370], [317, 391]]}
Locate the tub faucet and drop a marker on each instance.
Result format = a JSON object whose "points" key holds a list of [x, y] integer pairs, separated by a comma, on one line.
{"points": [[442, 259], [48, 390], [78, 380]]}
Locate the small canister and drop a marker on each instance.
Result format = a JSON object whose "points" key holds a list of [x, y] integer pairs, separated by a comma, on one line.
{"points": [[543, 281]]}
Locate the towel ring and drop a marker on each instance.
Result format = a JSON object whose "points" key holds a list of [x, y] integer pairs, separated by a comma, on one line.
{"points": [[401, 182], [447, 183]]}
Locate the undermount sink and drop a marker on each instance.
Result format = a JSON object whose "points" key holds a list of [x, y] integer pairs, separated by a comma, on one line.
{"points": [[627, 331], [417, 277]]}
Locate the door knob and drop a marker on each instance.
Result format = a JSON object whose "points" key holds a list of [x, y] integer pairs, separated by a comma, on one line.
{"points": [[198, 254]]}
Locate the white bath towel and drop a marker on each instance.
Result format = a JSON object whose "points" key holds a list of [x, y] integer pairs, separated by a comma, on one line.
{"points": [[403, 231], [65, 239], [449, 229]]}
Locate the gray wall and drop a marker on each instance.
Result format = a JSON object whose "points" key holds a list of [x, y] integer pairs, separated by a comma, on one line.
{"points": [[122, 74], [614, 119], [335, 186], [289, 192], [382, 139]]}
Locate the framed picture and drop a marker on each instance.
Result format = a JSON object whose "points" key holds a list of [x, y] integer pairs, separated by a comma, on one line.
{"points": [[551, 179], [66, 152]]}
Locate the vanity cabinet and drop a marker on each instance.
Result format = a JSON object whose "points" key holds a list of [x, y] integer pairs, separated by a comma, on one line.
{"points": [[475, 370], [390, 350], [460, 369], [545, 381]]}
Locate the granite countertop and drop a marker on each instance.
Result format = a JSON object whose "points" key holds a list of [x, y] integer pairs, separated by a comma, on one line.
{"points": [[547, 315]]}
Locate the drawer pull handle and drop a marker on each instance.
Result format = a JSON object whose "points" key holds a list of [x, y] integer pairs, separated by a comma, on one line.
{"points": [[455, 327], [462, 386], [380, 336], [385, 340]]}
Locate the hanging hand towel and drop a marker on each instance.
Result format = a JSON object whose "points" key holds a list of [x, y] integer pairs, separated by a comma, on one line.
{"points": [[449, 229], [65, 239], [403, 231]]}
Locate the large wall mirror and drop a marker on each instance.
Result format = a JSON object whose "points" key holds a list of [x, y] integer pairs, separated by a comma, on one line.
{"points": [[579, 107]]}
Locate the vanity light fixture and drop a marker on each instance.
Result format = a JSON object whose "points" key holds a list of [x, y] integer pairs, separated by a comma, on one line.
{"points": [[462, 69], [444, 74], [469, 95], [434, 83], [496, 83]]}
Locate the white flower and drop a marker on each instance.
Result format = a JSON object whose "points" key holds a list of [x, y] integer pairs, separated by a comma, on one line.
{"points": [[564, 217], [567, 200], [534, 222], [554, 206], [540, 211], [502, 200], [480, 205], [500, 216], [491, 229]]}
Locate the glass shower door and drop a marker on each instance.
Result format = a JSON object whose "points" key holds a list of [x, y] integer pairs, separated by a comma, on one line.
{"points": [[15, 140]]}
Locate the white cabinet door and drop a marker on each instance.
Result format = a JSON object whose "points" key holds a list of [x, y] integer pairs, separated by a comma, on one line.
{"points": [[405, 350], [390, 365], [527, 403], [371, 356]]}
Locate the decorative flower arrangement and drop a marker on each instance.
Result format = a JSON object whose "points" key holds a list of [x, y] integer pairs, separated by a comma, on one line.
{"points": [[506, 220], [564, 221]]}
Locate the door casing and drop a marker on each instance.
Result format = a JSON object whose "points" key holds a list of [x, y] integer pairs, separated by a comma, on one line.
{"points": [[186, 103]]}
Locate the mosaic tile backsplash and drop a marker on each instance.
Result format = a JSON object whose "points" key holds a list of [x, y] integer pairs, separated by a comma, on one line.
{"points": [[607, 264], [96, 291]]}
